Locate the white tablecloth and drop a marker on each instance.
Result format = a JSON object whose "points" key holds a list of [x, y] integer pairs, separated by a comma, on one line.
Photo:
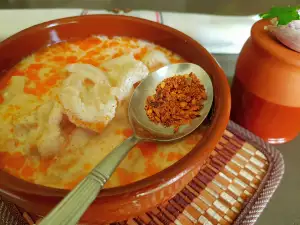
{"points": [[218, 34]]}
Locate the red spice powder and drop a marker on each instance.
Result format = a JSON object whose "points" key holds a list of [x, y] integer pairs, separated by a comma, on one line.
{"points": [[177, 101]]}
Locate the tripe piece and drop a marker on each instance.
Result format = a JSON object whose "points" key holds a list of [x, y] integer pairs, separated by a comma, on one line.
{"points": [[123, 72], [87, 98], [155, 59]]}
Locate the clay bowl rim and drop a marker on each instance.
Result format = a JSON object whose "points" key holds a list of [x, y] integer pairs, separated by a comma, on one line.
{"points": [[163, 178]]}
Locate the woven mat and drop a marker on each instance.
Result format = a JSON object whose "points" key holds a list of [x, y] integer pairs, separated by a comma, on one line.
{"points": [[233, 187]]}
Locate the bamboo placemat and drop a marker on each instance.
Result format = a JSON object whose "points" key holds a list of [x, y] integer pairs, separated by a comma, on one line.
{"points": [[232, 187]]}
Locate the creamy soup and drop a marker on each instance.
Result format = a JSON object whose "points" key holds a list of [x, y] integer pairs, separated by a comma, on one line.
{"points": [[64, 108]]}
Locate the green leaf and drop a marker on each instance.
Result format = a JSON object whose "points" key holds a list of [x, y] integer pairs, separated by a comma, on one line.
{"points": [[284, 15]]}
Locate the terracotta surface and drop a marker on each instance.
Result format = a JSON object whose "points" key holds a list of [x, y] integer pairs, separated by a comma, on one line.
{"points": [[265, 88], [122, 202]]}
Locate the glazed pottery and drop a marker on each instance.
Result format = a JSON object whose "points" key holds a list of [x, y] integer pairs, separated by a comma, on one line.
{"points": [[266, 87], [119, 203]]}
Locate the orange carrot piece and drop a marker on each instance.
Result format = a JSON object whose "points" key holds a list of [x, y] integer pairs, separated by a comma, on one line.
{"points": [[127, 132], [174, 156], [148, 149], [27, 171], [141, 54], [36, 66], [58, 58], [33, 75], [125, 177], [15, 161], [72, 59], [87, 166]]}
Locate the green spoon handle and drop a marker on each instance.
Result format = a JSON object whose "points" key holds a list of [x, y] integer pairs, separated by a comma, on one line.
{"points": [[72, 207]]}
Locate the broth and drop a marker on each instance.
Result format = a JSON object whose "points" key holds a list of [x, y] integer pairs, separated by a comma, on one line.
{"points": [[27, 94]]}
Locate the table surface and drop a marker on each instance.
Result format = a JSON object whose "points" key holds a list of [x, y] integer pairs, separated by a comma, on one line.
{"points": [[283, 208]]}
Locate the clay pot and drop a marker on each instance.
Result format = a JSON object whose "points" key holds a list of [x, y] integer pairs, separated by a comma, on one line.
{"points": [[119, 203], [266, 87]]}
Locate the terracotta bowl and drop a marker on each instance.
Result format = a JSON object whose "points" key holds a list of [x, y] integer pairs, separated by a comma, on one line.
{"points": [[119, 203]]}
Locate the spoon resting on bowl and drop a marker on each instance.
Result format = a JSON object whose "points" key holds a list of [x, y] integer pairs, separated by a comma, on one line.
{"points": [[72, 207]]}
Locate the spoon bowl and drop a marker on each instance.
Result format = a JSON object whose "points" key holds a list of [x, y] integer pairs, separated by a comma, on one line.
{"points": [[145, 128], [71, 208]]}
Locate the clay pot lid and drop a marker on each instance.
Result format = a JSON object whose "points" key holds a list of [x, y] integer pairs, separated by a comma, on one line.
{"points": [[270, 44]]}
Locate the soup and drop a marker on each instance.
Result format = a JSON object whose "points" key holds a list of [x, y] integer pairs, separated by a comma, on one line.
{"points": [[64, 108]]}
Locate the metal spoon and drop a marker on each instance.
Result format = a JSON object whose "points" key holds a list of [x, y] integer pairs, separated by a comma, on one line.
{"points": [[71, 208]]}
